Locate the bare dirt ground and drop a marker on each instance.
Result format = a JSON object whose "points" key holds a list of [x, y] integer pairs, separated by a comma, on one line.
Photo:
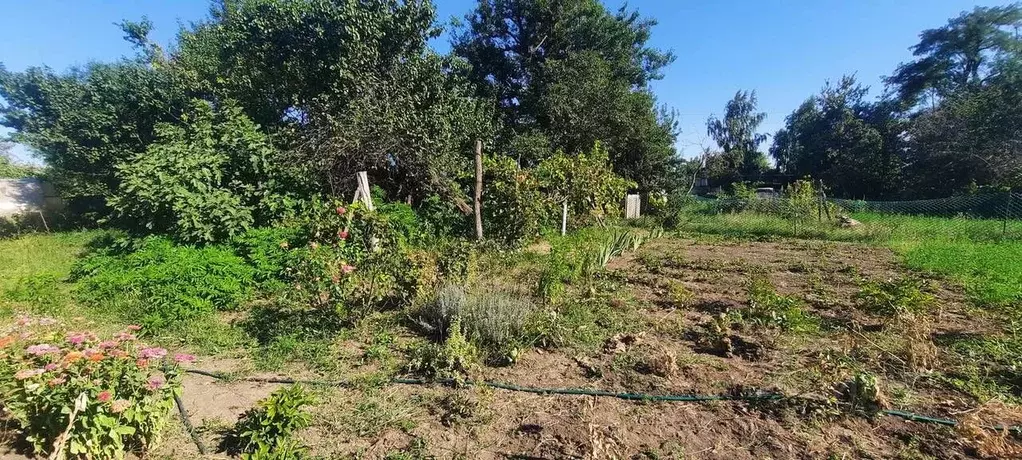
{"points": [[666, 354]]}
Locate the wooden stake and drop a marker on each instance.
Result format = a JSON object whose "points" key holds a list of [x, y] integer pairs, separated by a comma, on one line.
{"points": [[564, 218], [479, 190]]}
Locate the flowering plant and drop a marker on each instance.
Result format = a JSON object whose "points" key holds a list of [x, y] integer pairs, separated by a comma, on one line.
{"points": [[75, 395]]}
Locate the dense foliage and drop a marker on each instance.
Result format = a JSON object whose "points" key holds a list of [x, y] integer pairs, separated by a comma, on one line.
{"points": [[567, 74], [76, 396]]}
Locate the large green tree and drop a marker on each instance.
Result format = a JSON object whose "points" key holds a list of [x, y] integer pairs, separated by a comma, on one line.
{"points": [[736, 135], [959, 55], [838, 137], [973, 137], [344, 86], [85, 122], [566, 74]]}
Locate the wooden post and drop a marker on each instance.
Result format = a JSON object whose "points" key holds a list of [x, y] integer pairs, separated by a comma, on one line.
{"points": [[478, 205], [362, 192], [564, 218]]}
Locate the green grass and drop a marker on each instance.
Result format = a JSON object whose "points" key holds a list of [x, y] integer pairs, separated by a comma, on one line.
{"points": [[984, 255], [34, 269]]}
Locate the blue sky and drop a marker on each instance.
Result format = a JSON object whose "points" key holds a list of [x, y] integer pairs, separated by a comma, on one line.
{"points": [[783, 49]]}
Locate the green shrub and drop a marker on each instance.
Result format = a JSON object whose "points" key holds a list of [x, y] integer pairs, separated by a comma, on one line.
{"points": [[451, 359], [895, 297], [267, 250], [586, 181], [514, 209], [767, 307], [161, 283], [108, 396], [266, 432], [492, 318], [206, 180]]}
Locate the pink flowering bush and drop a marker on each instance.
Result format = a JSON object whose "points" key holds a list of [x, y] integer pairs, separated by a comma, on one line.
{"points": [[82, 395]]}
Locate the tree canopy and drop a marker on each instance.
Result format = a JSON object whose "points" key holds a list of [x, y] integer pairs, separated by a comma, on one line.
{"points": [[566, 74]]}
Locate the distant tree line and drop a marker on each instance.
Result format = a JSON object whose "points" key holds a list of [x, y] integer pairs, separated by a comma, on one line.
{"points": [[949, 122], [268, 101]]}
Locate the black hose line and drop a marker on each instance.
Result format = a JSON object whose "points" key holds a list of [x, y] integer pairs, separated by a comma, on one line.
{"points": [[913, 417], [188, 424]]}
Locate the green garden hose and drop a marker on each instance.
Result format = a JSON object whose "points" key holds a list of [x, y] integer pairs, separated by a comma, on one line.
{"points": [[603, 393]]}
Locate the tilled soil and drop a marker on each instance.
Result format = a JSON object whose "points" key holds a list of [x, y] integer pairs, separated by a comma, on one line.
{"points": [[667, 356]]}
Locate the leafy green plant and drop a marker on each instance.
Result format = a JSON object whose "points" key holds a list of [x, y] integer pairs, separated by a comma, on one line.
{"points": [[678, 294], [208, 180], [767, 307], [266, 431], [514, 210], [162, 283], [586, 181], [895, 297], [76, 396], [40, 292], [453, 358]]}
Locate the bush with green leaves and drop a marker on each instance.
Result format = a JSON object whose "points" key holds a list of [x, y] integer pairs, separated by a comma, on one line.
{"points": [[586, 181], [491, 317], [514, 209], [207, 179], [453, 358], [767, 307], [161, 283], [73, 395], [895, 297], [267, 431]]}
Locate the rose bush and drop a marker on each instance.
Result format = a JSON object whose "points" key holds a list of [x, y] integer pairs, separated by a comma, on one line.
{"points": [[79, 396]]}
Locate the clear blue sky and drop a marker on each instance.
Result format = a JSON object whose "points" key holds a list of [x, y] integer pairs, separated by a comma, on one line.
{"points": [[783, 49]]}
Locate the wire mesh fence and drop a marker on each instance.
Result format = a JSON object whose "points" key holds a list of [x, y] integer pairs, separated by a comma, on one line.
{"points": [[981, 217]]}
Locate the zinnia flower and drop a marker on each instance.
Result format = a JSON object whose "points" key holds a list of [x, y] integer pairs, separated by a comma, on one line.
{"points": [[152, 353], [341, 210], [28, 373], [184, 358], [73, 356], [125, 336], [51, 367], [108, 344], [119, 405], [155, 383], [104, 396], [76, 338], [42, 349], [342, 234], [57, 381], [345, 268]]}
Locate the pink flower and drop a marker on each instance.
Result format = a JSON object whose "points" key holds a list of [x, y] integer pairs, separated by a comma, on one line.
{"points": [[104, 396], [77, 338], [90, 352], [51, 367], [107, 344], [342, 234], [57, 381], [125, 336], [119, 405], [345, 268], [184, 358], [341, 210], [152, 353], [155, 383], [28, 373], [24, 321], [42, 349], [133, 327]]}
